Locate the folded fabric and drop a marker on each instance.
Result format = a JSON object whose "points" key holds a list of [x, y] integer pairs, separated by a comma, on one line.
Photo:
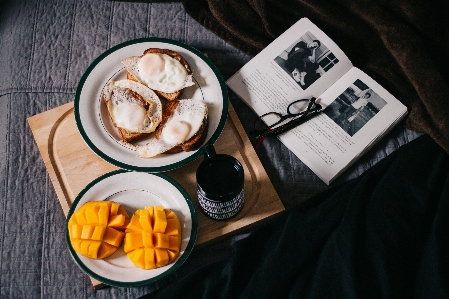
{"points": [[404, 45], [382, 235]]}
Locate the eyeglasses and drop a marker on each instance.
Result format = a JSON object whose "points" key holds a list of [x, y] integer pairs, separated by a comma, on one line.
{"points": [[272, 123]]}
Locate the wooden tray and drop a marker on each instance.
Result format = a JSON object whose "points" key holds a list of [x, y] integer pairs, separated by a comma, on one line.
{"points": [[71, 165]]}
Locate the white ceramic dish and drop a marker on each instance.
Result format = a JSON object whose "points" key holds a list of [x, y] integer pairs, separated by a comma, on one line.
{"points": [[135, 190], [96, 127]]}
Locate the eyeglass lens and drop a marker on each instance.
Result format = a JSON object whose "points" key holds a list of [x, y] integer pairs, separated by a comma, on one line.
{"points": [[297, 107]]}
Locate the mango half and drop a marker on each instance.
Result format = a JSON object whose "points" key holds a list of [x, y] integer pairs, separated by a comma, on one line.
{"points": [[153, 237], [96, 229]]}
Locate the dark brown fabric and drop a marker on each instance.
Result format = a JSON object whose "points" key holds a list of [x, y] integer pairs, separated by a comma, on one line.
{"points": [[404, 45]]}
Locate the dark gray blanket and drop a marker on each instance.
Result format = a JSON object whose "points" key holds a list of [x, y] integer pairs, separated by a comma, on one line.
{"points": [[382, 235]]}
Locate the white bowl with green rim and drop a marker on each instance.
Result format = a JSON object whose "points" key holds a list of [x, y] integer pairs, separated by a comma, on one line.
{"points": [[96, 128], [135, 190]]}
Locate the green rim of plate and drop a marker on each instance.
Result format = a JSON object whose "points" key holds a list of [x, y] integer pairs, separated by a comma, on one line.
{"points": [[198, 153], [116, 283]]}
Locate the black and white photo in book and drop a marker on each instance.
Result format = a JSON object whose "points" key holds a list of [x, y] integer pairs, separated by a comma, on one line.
{"points": [[353, 108], [306, 60]]}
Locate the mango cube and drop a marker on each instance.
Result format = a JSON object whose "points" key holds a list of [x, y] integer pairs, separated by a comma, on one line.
{"points": [[98, 232], [76, 230], [114, 209], [92, 214], [172, 255], [137, 257], [145, 220], [113, 236], [106, 250], [147, 239], [117, 221], [150, 210], [93, 249], [160, 240], [134, 224], [80, 218], [150, 259], [161, 256], [160, 220], [133, 240], [103, 214], [174, 243], [173, 227], [88, 230]]}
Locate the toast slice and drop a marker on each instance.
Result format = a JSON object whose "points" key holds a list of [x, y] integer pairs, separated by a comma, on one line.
{"points": [[189, 145], [127, 91], [132, 74], [176, 116]]}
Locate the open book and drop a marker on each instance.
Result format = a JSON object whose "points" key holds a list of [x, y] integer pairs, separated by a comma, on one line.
{"points": [[302, 63]]}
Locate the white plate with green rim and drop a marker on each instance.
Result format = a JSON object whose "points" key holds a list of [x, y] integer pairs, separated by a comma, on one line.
{"points": [[96, 127], [135, 190]]}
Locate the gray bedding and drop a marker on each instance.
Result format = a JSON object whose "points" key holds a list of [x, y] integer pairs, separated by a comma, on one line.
{"points": [[45, 47]]}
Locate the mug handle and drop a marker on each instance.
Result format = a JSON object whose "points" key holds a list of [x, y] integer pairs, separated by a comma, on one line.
{"points": [[209, 151]]}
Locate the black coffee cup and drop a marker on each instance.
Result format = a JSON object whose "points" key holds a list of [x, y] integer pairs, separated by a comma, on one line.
{"points": [[220, 185]]}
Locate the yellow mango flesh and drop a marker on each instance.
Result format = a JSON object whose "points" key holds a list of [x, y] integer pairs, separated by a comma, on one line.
{"points": [[116, 221], [159, 220], [96, 229], [153, 237], [113, 236]]}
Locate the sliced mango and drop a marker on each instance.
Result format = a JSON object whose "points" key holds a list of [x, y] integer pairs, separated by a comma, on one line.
{"points": [[90, 232], [153, 237]]}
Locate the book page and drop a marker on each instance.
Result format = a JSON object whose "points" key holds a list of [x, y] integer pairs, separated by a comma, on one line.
{"points": [[302, 63], [358, 112]]}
